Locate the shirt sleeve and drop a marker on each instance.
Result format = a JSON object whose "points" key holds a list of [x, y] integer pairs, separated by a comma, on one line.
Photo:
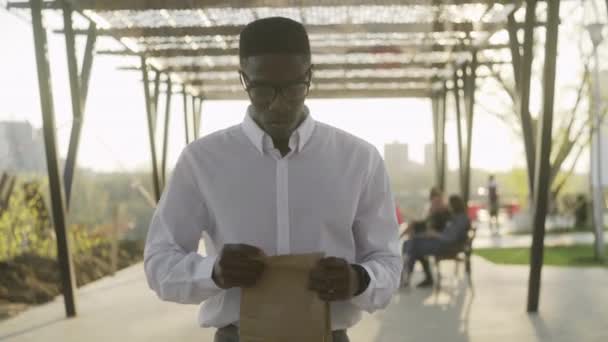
{"points": [[376, 239], [174, 268]]}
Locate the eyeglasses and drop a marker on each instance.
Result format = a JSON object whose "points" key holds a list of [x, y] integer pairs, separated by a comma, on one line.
{"points": [[264, 94]]}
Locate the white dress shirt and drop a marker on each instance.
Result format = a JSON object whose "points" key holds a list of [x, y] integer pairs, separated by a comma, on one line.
{"points": [[330, 194]]}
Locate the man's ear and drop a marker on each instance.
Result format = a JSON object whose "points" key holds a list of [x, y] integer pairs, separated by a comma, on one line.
{"points": [[312, 71], [242, 79]]}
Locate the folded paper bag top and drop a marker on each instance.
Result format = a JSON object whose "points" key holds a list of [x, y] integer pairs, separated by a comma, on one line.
{"points": [[281, 308]]}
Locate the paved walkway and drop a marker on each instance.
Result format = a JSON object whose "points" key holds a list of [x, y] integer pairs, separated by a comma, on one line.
{"points": [[564, 239], [574, 307]]}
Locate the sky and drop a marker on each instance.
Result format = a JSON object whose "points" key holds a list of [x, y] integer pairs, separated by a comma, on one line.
{"points": [[114, 136]]}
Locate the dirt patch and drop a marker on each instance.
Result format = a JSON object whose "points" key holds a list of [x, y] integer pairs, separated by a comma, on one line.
{"points": [[29, 279]]}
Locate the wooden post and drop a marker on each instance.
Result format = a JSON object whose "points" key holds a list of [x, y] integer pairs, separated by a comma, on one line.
{"points": [[543, 163]]}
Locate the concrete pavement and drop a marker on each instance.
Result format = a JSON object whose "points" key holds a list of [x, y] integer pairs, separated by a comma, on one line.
{"points": [[574, 307]]}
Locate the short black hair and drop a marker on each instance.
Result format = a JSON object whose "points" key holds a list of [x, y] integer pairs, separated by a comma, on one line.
{"points": [[457, 204], [274, 35], [435, 191]]}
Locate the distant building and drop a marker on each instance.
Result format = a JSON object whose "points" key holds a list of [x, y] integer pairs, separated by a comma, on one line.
{"points": [[21, 148]]}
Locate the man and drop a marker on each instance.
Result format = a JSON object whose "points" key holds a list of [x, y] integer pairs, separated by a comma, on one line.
{"points": [[279, 183], [437, 218], [581, 211], [493, 203], [451, 238]]}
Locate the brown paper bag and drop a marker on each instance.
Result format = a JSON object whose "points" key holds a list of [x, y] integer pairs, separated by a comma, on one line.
{"points": [[280, 308]]}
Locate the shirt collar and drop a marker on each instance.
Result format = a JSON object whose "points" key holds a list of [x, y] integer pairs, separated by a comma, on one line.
{"points": [[262, 141]]}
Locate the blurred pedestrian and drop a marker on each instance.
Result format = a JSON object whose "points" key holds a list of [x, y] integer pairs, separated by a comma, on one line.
{"points": [[493, 203]]}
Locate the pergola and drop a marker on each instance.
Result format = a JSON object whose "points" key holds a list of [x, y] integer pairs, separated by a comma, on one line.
{"points": [[361, 49]]}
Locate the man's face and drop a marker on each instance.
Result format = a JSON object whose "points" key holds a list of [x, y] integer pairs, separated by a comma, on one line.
{"points": [[280, 115], [436, 201]]}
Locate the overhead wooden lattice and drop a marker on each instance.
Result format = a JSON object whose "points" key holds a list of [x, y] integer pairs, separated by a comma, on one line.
{"points": [[360, 47]]}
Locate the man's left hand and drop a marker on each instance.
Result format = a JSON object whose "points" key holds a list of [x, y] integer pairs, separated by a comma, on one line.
{"points": [[334, 279]]}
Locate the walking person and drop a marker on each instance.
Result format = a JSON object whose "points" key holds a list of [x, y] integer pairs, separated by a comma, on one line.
{"points": [[493, 204]]}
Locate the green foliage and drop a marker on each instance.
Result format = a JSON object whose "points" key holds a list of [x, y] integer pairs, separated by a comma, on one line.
{"points": [[22, 229], [578, 255], [95, 198], [574, 183], [517, 182], [22, 232]]}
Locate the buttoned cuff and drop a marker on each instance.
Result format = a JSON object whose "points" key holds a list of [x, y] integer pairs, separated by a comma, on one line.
{"points": [[204, 273]]}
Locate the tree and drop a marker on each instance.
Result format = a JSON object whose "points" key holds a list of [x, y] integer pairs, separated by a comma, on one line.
{"points": [[573, 130]]}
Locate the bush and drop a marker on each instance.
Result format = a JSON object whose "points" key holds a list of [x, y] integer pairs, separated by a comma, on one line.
{"points": [[28, 255], [34, 279]]}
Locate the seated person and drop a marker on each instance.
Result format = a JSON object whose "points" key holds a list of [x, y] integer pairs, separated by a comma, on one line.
{"points": [[436, 220], [438, 216], [451, 238]]}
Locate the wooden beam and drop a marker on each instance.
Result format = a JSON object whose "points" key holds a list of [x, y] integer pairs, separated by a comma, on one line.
{"points": [[543, 154], [525, 77], [235, 30], [140, 5], [331, 94], [7, 185], [328, 50], [151, 114], [163, 167], [435, 109], [322, 84], [57, 196], [515, 47], [235, 80], [411, 66], [422, 60], [470, 88], [459, 134], [440, 140]]}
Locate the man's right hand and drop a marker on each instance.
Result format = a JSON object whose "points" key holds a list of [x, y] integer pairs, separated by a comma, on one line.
{"points": [[238, 265]]}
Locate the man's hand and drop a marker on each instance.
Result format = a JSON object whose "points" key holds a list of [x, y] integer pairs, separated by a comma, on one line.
{"points": [[334, 279], [238, 265]]}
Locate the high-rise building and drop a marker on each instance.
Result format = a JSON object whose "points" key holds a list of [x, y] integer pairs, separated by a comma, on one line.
{"points": [[21, 147]]}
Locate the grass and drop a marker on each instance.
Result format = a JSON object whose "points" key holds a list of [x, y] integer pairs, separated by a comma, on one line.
{"points": [[557, 231], [571, 256]]}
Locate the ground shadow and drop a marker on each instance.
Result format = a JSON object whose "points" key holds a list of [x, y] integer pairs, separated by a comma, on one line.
{"points": [[429, 315]]}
